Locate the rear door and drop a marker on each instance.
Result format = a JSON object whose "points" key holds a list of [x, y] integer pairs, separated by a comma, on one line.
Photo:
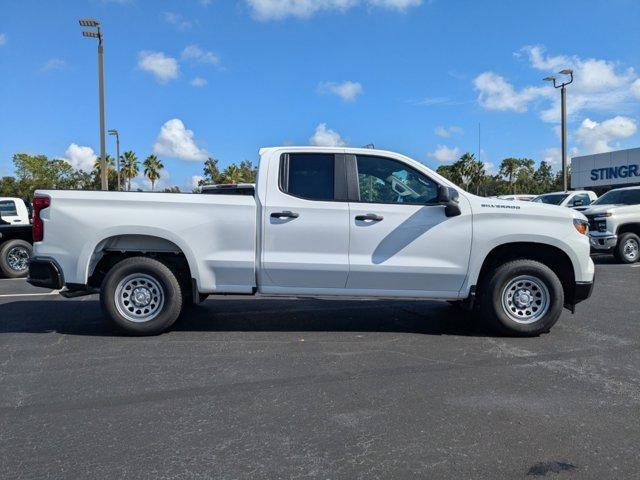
{"points": [[402, 244], [306, 224]]}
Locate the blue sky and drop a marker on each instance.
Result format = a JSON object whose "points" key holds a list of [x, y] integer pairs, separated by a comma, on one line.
{"points": [[192, 78]]}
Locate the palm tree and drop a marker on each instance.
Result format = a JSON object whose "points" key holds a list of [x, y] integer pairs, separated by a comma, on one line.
{"points": [[111, 170], [232, 174], [152, 167], [129, 167], [477, 175], [509, 168]]}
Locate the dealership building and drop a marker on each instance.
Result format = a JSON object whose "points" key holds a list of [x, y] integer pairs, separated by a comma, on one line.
{"points": [[602, 171]]}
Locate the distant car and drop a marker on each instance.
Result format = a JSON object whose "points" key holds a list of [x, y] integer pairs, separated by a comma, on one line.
{"points": [[614, 224], [15, 238], [229, 189], [578, 199], [519, 197], [14, 211]]}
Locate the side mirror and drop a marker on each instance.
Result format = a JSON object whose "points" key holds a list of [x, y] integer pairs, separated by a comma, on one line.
{"points": [[448, 197]]}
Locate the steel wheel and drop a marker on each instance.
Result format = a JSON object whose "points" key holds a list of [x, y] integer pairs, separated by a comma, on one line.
{"points": [[525, 299], [631, 250], [139, 297], [18, 259]]}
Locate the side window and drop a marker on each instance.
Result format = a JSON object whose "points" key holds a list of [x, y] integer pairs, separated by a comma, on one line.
{"points": [[308, 175], [581, 199], [8, 208], [383, 180]]}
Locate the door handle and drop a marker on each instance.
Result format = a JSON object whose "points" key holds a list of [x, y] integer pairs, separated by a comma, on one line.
{"points": [[285, 214], [369, 216]]}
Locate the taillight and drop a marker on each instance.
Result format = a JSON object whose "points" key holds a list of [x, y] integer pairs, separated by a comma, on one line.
{"points": [[39, 204]]}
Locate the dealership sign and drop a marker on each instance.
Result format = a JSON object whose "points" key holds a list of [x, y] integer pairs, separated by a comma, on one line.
{"points": [[612, 173], [607, 169]]}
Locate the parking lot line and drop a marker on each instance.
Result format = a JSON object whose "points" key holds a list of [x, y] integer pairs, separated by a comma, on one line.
{"points": [[54, 292]]}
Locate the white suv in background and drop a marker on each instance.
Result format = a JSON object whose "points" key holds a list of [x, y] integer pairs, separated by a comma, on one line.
{"points": [[14, 211], [578, 199]]}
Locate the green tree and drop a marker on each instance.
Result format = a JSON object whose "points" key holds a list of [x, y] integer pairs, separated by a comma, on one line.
{"points": [[211, 172], [450, 173], [249, 172], [129, 167], [231, 174], [524, 179], [174, 189], [543, 178], [152, 168], [112, 174], [509, 169]]}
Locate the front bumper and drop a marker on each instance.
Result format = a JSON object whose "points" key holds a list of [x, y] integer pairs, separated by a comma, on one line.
{"points": [[580, 292], [606, 241], [45, 272]]}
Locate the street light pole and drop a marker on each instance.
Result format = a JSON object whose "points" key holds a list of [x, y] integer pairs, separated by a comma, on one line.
{"points": [[89, 22], [563, 128], [117, 135]]}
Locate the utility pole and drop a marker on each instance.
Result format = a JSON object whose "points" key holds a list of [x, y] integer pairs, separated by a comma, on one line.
{"points": [[563, 113], [89, 22], [113, 131]]}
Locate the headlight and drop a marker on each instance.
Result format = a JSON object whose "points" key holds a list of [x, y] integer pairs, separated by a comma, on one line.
{"points": [[582, 226]]}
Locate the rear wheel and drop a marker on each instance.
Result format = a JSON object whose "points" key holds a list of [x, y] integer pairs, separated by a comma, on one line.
{"points": [[628, 248], [141, 296], [522, 297], [14, 258]]}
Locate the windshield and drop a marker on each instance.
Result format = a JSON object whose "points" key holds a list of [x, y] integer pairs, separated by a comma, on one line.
{"points": [[619, 197], [551, 198]]}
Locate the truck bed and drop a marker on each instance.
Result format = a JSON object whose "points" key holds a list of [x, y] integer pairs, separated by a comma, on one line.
{"points": [[215, 233]]}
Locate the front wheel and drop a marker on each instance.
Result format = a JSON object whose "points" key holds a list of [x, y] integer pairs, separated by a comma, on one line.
{"points": [[14, 258], [628, 248], [141, 296], [522, 297]]}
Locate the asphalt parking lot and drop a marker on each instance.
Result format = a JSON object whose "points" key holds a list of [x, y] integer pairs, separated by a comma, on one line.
{"points": [[245, 388]]}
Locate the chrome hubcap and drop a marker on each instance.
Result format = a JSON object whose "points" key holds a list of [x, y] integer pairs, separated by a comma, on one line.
{"points": [[18, 259], [139, 297], [630, 249], [525, 299]]}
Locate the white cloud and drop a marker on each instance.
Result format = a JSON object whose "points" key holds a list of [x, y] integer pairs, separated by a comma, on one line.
{"points": [[195, 181], [325, 137], [446, 132], [279, 9], [347, 91], [159, 65], [635, 88], [198, 82], [174, 140], [489, 168], [80, 158], [445, 154], [599, 85], [495, 93], [594, 137], [195, 54], [3, 39], [53, 64], [177, 20], [396, 4]]}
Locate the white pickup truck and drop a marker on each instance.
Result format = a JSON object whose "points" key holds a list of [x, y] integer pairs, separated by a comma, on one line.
{"points": [[324, 222]]}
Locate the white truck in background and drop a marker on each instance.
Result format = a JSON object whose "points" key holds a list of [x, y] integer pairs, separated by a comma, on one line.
{"points": [[614, 221], [15, 237], [324, 222]]}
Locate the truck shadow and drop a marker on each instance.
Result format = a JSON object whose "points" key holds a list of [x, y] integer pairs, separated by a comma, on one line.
{"points": [[76, 317]]}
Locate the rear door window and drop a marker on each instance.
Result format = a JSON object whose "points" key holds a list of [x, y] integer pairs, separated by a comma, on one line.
{"points": [[8, 208], [308, 175]]}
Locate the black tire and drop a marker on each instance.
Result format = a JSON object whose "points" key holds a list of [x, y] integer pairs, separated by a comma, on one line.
{"points": [[155, 282], [545, 291], [11, 248], [628, 248]]}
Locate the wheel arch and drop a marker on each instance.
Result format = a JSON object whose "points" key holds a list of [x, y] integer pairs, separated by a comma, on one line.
{"points": [[553, 257], [110, 250]]}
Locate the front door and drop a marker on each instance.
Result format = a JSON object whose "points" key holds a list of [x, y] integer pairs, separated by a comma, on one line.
{"points": [[402, 244], [306, 225]]}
